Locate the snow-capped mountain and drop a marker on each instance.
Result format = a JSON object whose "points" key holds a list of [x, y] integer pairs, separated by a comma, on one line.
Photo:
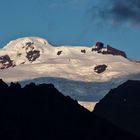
{"points": [[84, 73]]}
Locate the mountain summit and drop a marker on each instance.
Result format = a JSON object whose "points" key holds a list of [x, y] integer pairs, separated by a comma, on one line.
{"points": [[33, 49], [23, 51]]}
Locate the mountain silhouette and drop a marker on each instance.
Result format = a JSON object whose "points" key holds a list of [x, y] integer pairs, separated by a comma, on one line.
{"points": [[121, 106], [41, 112]]}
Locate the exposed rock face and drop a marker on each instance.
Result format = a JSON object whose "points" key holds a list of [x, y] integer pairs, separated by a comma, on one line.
{"points": [[29, 44], [59, 52], [121, 106], [114, 51], [6, 62], [83, 51], [41, 112], [33, 55], [100, 68], [99, 47]]}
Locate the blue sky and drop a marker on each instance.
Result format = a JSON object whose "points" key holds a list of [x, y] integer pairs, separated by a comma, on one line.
{"points": [[73, 22]]}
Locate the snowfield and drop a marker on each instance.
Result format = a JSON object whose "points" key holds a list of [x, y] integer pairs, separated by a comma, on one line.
{"points": [[69, 68]]}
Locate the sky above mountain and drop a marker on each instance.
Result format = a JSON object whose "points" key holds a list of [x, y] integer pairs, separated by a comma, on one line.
{"points": [[73, 22]]}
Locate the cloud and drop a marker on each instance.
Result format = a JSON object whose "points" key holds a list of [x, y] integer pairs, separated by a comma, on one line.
{"points": [[120, 11]]}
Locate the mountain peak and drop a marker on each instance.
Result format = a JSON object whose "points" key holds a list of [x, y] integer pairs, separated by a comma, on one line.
{"points": [[23, 50], [27, 41]]}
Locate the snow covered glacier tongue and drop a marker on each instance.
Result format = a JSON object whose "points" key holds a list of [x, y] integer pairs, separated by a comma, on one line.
{"points": [[84, 73]]}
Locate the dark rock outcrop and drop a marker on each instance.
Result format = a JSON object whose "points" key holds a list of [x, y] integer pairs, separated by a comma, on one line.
{"points": [[6, 62], [29, 44], [121, 106], [59, 52], [83, 51], [100, 44], [41, 112], [114, 51], [33, 55], [100, 68], [99, 47]]}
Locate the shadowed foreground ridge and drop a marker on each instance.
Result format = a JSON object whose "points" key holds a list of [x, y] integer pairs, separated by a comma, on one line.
{"points": [[41, 112], [121, 106]]}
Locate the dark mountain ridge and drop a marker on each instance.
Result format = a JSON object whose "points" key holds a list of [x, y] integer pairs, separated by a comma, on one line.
{"points": [[121, 106], [42, 112]]}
